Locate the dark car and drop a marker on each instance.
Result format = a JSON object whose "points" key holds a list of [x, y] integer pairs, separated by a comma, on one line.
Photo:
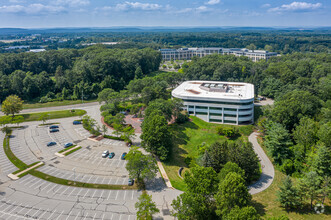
{"points": [[76, 122], [123, 156], [53, 127], [51, 143], [54, 130], [67, 145], [111, 155], [131, 182]]}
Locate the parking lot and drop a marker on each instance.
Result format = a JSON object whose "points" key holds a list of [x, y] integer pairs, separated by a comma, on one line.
{"points": [[6, 167], [51, 201], [34, 198]]}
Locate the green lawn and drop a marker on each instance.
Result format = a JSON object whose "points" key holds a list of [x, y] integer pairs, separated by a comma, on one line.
{"points": [[267, 205], [54, 104], [53, 114], [187, 139]]}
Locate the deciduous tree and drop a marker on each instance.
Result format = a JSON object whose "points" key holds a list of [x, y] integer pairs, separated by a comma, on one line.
{"points": [[12, 105], [140, 166]]}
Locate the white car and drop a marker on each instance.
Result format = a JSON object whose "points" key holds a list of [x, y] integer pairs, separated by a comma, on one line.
{"points": [[105, 153]]}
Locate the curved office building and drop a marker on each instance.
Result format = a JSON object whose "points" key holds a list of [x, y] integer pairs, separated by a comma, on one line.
{"points": [[219, 102]]}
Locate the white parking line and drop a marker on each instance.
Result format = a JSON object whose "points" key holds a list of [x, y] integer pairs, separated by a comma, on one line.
{"points": [[59, 215], [43, 214], [132, 195], [9, 206], [86, 193], [116, 194], [36, 182], [124, 195], [36, 212], [77, 216], [71, 192], [86, 215], [94, 215], [51, 214], [69, 214], [15, 208], [109, 194]]}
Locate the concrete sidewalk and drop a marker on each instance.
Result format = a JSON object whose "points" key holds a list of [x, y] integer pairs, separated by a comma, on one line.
{"points": [[16, 176], [268, 172]]}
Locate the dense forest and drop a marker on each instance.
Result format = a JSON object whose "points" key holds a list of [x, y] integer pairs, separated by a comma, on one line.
{"points": [[281, 41], [66, 74]]}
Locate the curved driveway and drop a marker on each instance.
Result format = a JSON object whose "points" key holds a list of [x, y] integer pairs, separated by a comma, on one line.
{"points": [[268, 171]]}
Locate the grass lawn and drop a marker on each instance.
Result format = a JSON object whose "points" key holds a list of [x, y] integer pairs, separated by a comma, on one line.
{"points": [[267, 205], [54, 104], [68, 148], [53, 114], [187, 139]]}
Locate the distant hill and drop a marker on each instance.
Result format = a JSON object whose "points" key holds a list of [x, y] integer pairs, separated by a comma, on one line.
{"points": [[7, 31]]}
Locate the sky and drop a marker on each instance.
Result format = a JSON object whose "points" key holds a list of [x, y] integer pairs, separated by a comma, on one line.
{"points": [[109, 13]]}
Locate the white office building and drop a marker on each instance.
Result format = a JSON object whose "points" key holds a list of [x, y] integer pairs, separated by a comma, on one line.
{"points": [[219, 102], [188, 53]]}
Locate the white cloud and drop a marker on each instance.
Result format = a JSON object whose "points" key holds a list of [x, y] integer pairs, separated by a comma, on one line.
{"points": [[31, 9], [213, 2], [135, 5], [266, 6], [201, 9], [71, 3], [297, 7]]}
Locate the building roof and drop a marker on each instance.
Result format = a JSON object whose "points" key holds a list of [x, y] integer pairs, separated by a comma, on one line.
{"points": [[214, 90]]}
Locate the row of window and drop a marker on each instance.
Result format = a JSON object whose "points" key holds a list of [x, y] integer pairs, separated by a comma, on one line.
{"points": [[215, 102]]}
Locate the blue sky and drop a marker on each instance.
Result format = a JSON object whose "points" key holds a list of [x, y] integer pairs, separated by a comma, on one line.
{"points": [[106, 13]]}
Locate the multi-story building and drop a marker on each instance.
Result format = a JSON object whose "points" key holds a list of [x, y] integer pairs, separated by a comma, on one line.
{"points": [[188, 53], [219, 102]]}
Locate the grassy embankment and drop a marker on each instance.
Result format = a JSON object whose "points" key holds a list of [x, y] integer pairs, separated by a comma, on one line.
{"points": [[55, 104], [267, 205], [187, 138], [53, 114]]}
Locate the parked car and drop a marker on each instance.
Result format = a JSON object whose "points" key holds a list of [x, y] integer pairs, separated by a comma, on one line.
{"points": [[54, 130], [131, 182], [123, 156], [51, 143], [53, 127], [68, 145], [105, 153], [111, 155], [76, 122]]}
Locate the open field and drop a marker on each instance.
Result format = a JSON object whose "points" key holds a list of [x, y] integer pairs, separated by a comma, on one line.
{"points": [[187, 139]]}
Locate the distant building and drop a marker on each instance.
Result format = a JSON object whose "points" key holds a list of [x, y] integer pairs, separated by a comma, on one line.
{"points": [[36, 50], [17, 47], [220, 102], [188, 53]]}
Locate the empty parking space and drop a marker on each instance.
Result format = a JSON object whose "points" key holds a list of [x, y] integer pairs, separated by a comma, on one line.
{"points": [[83, 177], [6, 167], [19, 146]]}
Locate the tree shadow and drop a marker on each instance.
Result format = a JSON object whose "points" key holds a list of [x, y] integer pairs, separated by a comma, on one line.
{"points": [[260, 208]]}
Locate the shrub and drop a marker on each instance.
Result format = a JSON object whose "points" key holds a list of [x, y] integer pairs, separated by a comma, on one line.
{"points": [[228, 132], [182, 118]]}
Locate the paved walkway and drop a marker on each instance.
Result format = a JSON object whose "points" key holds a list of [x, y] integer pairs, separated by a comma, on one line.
{"points": [[268, 171], [16, 176]]}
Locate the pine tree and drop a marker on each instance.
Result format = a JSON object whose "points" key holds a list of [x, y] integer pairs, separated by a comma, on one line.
{"points": [[288, 195]]}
